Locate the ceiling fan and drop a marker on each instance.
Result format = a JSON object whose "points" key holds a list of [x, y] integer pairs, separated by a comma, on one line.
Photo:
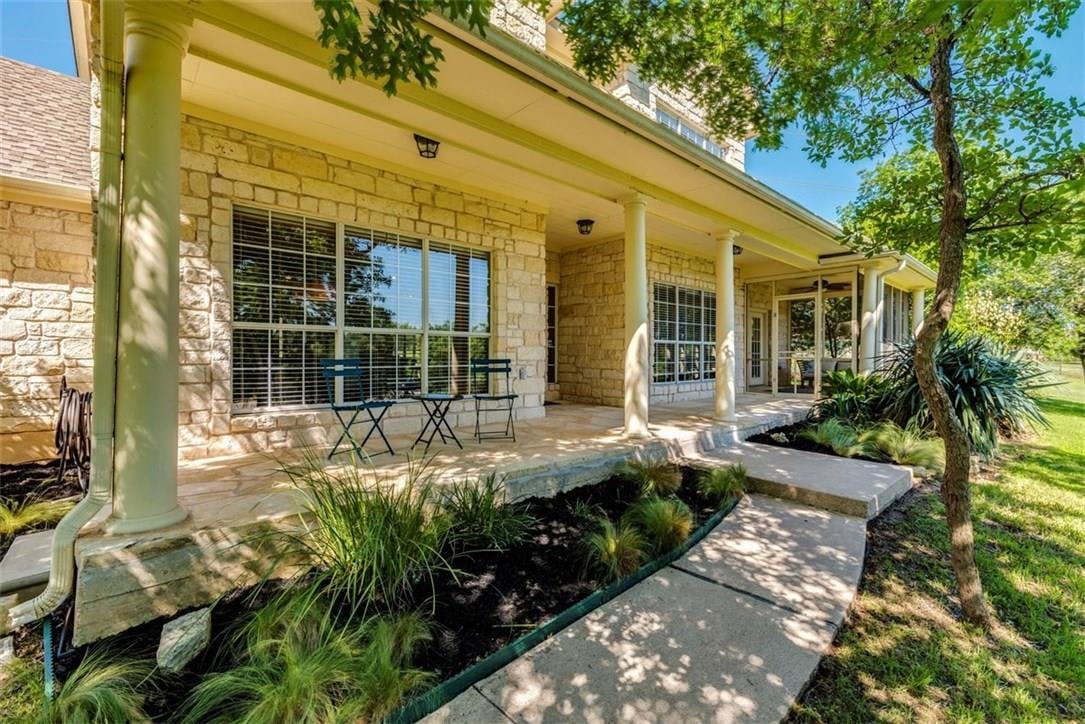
{"points": [[826, 286]]}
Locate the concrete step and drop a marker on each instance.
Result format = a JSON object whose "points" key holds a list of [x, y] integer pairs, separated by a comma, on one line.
{"points": [[26, 564], [844, 485]]}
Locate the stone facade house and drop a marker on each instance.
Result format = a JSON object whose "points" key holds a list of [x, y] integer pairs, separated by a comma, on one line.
{"points": [[268, 217]]}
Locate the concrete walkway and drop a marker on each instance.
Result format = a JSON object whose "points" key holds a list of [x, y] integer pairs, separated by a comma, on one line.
{"points": [[730, 632]]}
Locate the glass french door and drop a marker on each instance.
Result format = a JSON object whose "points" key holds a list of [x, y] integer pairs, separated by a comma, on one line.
{"points": [[758, 349]]}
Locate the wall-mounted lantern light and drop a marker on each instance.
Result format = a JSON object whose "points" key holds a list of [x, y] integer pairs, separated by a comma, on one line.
{"points": [[427, 147], [736, 249], [584, 225]]}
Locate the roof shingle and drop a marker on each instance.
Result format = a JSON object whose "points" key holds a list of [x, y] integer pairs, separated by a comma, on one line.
{"points": [[44, 124]]}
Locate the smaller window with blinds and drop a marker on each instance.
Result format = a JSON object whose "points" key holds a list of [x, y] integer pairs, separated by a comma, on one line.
{"points": [[683, 334]]}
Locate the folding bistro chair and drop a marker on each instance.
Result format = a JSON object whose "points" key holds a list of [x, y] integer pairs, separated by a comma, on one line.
{"points": [[493, 400], [352, 369]]}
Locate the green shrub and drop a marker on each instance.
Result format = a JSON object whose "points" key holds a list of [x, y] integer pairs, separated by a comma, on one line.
{"points": [[991, 390], [905, 445], [480, 515], [654, 477], [371, 541], [103, 688], [856, 397], [615, 551], [719, 485], [837, 435], [295, 663], [664, 522]]}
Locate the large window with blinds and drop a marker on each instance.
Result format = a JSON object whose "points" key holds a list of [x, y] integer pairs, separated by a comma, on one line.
{"points": [[896, 315], [415, 311], [683, 334]]}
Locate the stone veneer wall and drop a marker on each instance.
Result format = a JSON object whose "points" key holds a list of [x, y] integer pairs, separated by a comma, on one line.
{"points": [[591, 321], [46, 310], [223, 165], [520, 21]]}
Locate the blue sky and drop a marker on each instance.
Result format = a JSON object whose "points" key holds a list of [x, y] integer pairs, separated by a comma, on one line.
{"points": [[37, 31]]}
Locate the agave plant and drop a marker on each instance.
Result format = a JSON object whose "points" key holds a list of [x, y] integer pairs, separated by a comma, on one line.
{"points": [[480, 515], [296, 663], [721, 484], [991, 390], [371, 541], [103, 688], [850, 396], [654, 477], [615, 551], [838, 436], [665, 523], [905, 445]]}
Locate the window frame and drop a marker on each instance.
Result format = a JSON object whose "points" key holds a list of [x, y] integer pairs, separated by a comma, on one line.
{"points": [[684, 128], [552, 349], [704, 343], [341, 329]]}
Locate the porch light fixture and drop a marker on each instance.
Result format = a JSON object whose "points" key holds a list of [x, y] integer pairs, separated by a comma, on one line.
{"points": [[584, 226], [736, 249], [427, 147]]}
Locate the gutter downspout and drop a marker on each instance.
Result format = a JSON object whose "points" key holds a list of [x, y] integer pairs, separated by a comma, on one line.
{"points": [[107, 269]]}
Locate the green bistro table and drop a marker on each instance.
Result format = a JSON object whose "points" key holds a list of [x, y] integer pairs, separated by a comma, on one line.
{"points": [[436, 406]]}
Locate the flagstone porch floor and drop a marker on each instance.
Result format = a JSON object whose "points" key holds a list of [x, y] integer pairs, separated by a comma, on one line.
{"points": [[232, 502]]}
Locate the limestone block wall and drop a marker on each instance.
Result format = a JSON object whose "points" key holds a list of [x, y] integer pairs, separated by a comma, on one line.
{"points": [[522, 22], [223, 165], [46, 311], [591, 320], [591, 324]]}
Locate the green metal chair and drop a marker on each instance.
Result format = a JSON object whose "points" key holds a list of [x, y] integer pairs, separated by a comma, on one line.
{"points": [[352, 369], [491, 369]]}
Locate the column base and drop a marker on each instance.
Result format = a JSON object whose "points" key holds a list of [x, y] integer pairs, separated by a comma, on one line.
{"points": [[127, 526]]}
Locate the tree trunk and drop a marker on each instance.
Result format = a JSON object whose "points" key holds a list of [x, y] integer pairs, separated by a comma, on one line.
{"points": [[956, 494]]}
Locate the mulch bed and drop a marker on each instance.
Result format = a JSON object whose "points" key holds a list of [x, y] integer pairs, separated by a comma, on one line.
{"points": [[36, 479], [794, 442]]}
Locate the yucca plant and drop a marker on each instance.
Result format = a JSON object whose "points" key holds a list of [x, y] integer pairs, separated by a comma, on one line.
{"points": [[18, 516], [719, 485], [991, 389], [371, 541], [480, 515], [664, 522], [101, 690], [838, 436], [615, 551], [851, 396], [295, 663], [905, 445], [654, 477]]}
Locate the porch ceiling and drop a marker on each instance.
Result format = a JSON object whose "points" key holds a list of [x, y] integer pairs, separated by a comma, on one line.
{"points": [[503, 134]]}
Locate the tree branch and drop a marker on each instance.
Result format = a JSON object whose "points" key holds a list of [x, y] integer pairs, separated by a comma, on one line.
{"points": [[919, 87]]}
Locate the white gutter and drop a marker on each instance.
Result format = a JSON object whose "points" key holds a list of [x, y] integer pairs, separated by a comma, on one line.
{"points": [[107, 268]]}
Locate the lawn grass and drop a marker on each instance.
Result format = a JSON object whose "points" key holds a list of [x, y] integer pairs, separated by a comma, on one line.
{"points": [[905, 656]]}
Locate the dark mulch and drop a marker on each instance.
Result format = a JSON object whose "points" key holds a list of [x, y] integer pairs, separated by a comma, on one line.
{"points": [[794, 442], [502, 595], [36, 479]]}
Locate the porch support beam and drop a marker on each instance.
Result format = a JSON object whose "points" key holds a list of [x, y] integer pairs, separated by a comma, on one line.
{"points": [[725, 326], [868, 331], [918, 303], [145, 431], [637, 368]]}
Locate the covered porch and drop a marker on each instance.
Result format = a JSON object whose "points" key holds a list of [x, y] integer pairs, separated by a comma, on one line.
{"points": [[234, 501]]}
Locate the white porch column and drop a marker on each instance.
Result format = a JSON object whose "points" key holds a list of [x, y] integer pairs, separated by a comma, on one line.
{"points": [[725, 326], [145, 438], [868, 343], [637, 368], [918, 302]]}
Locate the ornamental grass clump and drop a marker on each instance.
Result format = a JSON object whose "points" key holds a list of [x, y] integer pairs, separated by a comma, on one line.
{"points": [[838, 436], [103, 688], [371, 541], [665, 523], [906, 445], [481, 517], [653, 477], [18, 516], [615, 551], [719, 485], [294, 662]]}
